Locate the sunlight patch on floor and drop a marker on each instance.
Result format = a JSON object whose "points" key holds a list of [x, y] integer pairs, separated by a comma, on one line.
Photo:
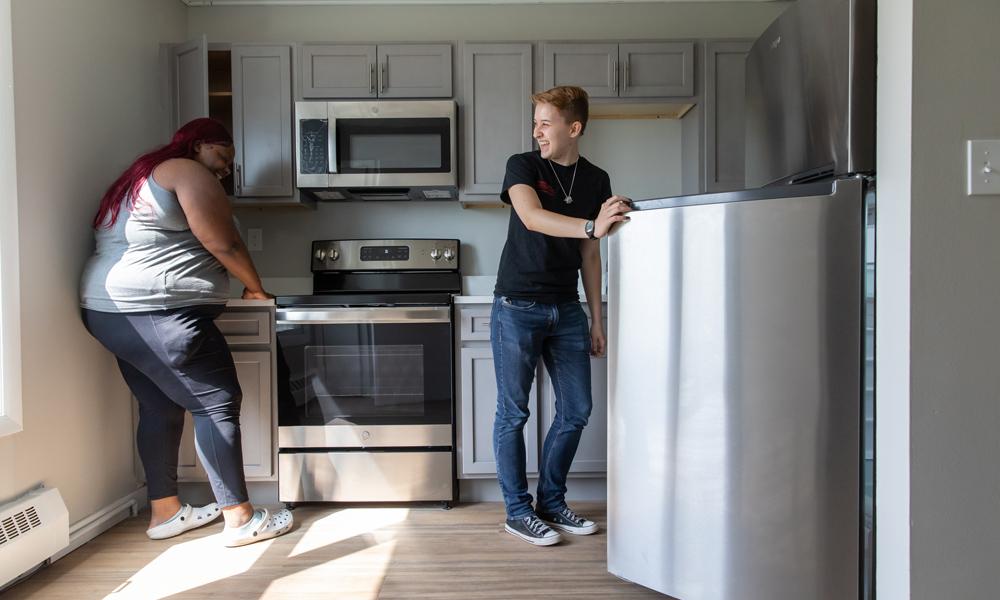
{"points": [[357, 575], [348, 523], [188, 565]]}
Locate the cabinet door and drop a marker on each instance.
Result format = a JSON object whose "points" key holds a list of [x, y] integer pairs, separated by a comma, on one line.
{"points": [[254, 372], [338, 71], [592, 453], [725, 122], [414, 71], [478, 406], [262, 120], [660, 69], [594, 67], [497, 116], [189, 79]]}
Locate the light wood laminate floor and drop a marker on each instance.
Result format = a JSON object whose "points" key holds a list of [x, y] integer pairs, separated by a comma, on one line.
{"points": [[341, 553]]}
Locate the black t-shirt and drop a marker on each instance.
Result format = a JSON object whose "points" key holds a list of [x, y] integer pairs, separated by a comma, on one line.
{"points": [[535, 266]]}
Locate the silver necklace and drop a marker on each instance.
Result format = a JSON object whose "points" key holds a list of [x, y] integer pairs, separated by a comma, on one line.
{"points": [[568, 196]]}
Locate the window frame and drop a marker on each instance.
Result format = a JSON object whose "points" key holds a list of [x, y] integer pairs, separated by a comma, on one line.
{"points": [[10, 314]]}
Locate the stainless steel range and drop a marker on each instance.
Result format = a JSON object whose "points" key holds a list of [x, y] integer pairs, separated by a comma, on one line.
{"points": [[365, 392]]}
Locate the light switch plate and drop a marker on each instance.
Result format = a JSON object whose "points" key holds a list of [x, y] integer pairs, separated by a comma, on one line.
{"points": [[983, 168], [255, 240]]}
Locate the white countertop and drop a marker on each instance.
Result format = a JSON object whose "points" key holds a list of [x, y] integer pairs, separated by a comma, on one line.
{"points": [[241, 303]]}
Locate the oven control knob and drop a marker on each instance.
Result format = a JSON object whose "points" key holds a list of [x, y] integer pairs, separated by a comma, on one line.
{"points": [[435, 253], [320, 255], [366, 435], [448, 254], [334, 254]]}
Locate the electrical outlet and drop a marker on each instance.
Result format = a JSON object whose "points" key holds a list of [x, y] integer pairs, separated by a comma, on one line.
{"points": [[255, 240], [984, 168]]}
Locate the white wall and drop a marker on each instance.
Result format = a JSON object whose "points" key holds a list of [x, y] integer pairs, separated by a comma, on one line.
{"points": [[938, 405], [287, 233], [87, 101]]}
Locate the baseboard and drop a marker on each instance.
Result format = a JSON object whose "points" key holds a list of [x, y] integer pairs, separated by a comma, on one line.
{"points": [[87, 529]]}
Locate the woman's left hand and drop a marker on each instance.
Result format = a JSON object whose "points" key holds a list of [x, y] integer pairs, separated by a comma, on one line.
{"points": [[259, 295], [598, 343]]}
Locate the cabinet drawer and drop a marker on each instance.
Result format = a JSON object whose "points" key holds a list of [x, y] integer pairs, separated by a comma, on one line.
{"points": [[476, 323], [245, 328]]}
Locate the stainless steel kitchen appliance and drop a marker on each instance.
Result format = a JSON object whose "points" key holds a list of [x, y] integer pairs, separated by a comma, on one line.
{"points": [[365, 393], [377, 149], [740, 412]]}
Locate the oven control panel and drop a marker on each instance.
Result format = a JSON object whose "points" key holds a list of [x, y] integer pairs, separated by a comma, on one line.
{"points": [[385, 255]]}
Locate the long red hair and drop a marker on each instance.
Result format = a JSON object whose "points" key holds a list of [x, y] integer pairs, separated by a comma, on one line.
{"points": [[126, 187]]}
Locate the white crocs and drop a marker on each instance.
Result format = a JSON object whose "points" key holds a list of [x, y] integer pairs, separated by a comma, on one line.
{"points": [[263, 525], [187, 518]]}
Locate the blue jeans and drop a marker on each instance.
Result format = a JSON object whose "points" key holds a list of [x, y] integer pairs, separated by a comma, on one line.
{"points": [[521, 333]]}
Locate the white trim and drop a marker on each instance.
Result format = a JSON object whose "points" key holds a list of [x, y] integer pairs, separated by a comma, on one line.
{"points": [[10, 312], [87, 529], [893, 256]]}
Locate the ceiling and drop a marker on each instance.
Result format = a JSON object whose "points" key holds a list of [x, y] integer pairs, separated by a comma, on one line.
{"points": [[363, 2]]}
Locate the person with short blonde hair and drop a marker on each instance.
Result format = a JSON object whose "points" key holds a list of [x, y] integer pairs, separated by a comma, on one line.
{"points": [[562, 206]]}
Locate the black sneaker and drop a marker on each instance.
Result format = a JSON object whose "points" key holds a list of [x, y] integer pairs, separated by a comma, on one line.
{"points": [[570, 522], [532, 530]]}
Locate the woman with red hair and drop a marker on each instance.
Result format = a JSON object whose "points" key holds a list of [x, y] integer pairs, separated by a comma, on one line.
{"points": [[166, 244]]}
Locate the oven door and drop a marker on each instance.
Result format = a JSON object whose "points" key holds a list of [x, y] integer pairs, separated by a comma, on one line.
{"points": [[365, 377]]}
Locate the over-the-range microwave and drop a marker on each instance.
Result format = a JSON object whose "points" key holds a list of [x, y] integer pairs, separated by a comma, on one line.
{"points": [[377, 150]]}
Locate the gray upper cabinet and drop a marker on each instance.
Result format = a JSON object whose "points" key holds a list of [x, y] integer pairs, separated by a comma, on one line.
{"points": [[590, 66], [189, 81], [497, 82], [414, 71], [725, 89], [632, 70], [338, 71], [376, 71], [663, 69], [262, 120]]}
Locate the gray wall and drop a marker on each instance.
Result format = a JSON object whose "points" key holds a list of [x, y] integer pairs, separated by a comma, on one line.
{"points": [[287, 232], [86, 98], [944, 276], [955, 286]]}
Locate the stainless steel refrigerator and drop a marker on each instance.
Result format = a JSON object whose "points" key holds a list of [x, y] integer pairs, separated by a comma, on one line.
{"points": [[737, 342]]}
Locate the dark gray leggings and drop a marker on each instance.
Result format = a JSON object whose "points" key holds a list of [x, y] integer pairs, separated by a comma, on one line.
{"points": [[176, 360]]}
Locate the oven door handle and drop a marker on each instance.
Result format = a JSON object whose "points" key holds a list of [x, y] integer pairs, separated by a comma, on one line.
{"points": [[363, 315]]}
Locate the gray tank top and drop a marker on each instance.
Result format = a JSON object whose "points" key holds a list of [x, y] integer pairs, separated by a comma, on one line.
{"points": [[150, 260]]}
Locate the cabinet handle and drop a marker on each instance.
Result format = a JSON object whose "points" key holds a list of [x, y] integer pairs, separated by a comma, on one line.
{"points": [[611, 75], [615, 88], [239, 180], [371, 78], [381, 80], [625, 80]]}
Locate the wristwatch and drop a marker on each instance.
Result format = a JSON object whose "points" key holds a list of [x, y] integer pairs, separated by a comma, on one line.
{"points": [[588, 227]]}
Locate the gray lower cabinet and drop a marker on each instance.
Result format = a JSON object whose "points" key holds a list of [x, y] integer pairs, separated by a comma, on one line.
{"points": [[262, 120], [592, 453], [251, 338], [725, 123], [496, 115], [478, 399], [375, 71], [632, 70]]}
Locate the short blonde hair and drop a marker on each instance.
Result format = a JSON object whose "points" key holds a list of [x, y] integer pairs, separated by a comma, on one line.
{"points": [[571, 101]]}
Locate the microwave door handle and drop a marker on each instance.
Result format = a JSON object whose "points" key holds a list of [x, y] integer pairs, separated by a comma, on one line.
{"points": [[331, 145]]}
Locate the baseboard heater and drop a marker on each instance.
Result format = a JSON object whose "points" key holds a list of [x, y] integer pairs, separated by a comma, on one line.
{"points": [[33, 528]]}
